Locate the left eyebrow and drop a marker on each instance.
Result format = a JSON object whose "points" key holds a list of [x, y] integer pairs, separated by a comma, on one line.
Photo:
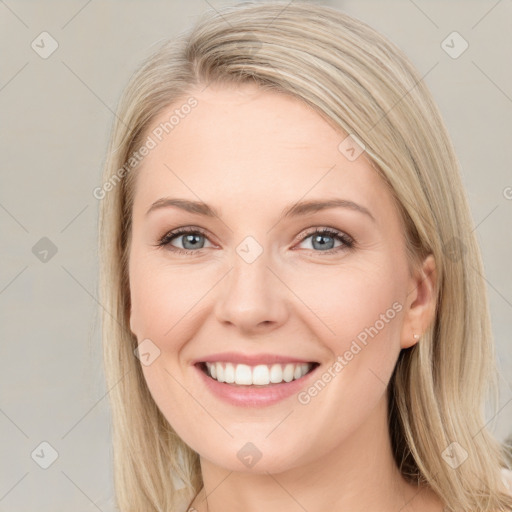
{"points": [[294, 210], [306, 207]]}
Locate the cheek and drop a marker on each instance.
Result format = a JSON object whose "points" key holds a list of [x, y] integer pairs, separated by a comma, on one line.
{"points": [[354, 302], [357, 316], [161, 298], [163, 311]]}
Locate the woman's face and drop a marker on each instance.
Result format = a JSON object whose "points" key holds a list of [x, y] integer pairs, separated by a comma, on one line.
{"points": [[255, 283]]}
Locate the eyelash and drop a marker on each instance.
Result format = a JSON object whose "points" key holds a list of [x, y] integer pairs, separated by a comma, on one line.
{"points": [[168, 237]]}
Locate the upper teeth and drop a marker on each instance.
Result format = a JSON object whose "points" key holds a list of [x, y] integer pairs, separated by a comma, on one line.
{"points": [[260, 375]]}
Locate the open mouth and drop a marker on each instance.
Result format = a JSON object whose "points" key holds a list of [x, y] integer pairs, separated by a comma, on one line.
{"points": [[261, 375]]}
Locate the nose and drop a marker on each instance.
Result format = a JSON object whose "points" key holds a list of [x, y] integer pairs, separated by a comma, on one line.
{"points": [[252, 297]]}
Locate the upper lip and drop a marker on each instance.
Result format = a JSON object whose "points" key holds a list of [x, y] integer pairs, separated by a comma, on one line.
{"points": [[251, 360]]}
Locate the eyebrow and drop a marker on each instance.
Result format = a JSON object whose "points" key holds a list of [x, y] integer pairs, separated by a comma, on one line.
{"points": [[294, 210]]}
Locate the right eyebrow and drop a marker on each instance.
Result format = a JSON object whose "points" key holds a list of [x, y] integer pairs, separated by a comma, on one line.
{"points": [[190, 206]]}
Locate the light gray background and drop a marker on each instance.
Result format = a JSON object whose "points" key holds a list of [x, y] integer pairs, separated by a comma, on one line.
{"points": [[56, 116]]}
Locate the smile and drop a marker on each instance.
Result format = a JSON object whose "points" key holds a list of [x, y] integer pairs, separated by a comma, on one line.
{"points": [[258, 375]]}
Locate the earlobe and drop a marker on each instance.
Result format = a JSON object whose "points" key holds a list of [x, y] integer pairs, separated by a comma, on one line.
{"points": [[421, 306]]}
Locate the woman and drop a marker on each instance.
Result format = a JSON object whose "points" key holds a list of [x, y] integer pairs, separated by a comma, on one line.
{"points": [[295, 315]]}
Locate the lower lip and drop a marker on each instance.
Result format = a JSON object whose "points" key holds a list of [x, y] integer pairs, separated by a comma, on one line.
{"points": [[254, 396]]}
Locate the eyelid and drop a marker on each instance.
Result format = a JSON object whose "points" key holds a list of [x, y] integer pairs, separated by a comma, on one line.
{"points": [[176, 233], [348, 242], [320, 229]]}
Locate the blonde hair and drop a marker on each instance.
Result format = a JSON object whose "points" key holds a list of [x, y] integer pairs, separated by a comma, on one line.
{"points": [[364, 85]]}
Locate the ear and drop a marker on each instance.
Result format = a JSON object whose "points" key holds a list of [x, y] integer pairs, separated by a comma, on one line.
{"points": [[420, 303], [132, 322]]}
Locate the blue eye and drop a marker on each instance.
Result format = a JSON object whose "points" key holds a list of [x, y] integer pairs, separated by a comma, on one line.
{"points": [[191, 237], [321, 235]]}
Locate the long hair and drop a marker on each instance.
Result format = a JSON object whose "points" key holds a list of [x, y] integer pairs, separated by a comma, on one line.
{"points": [[364, 85]]}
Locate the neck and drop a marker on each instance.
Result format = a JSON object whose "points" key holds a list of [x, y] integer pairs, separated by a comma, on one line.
{"points": [[359, 474]]}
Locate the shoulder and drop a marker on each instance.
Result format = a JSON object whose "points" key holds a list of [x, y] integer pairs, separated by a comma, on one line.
{"points": [[506, 477]]}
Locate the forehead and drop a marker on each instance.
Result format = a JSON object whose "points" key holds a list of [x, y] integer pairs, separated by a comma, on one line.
{"points": [[241, 145]]}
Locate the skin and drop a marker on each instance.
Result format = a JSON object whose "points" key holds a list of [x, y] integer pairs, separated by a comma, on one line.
{"points": [[250, 153]]}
